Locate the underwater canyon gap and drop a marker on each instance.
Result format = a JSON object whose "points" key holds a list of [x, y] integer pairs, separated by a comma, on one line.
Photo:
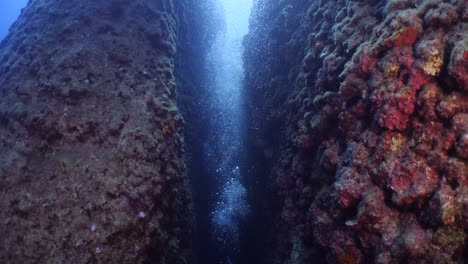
{"points": [[356, 132]]}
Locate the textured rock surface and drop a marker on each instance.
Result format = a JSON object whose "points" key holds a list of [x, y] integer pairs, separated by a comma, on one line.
{"points": [[358, 116], [91, 146]]}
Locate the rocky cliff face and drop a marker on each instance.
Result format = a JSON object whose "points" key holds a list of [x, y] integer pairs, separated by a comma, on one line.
{"points": [[91, 144], [366, 104]]}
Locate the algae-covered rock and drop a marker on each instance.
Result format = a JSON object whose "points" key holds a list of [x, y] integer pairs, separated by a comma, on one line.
{"points": [[91, 145], [387, 168]]}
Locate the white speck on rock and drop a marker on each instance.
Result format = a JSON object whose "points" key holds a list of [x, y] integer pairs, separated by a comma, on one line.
{"points": [[98, 250], [93, 228], [142, 214]]}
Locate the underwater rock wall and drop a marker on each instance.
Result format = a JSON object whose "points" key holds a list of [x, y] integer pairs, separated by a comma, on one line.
{"points": [[366, 104], [91, 139]]}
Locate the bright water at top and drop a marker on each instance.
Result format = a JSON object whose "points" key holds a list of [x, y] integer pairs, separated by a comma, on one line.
{"points": [[224, 148]]}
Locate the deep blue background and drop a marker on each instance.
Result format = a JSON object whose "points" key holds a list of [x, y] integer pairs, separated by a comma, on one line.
{"points": [[9, 11]]}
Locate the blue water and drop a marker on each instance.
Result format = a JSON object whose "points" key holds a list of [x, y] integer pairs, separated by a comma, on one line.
{"points": [[10, 10], [224, 145]]}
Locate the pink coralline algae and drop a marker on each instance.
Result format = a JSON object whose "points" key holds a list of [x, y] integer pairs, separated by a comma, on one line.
{"points": [[411, 180]]}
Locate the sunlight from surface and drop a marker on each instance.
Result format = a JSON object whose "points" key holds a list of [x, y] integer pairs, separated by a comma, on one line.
{"points": [[225, 64]]}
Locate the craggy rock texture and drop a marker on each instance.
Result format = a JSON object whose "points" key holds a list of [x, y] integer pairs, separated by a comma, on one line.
{"points": [[359, 123], [91, 144]]}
